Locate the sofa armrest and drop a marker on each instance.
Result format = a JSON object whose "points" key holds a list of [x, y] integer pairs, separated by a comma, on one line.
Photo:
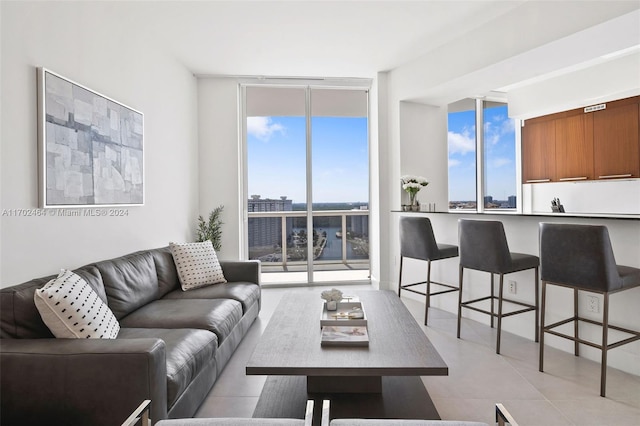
{"points": [[80, 381], [241, 270]]}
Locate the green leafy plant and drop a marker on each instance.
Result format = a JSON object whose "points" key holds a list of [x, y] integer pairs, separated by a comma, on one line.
{"points": [[212, 228]]}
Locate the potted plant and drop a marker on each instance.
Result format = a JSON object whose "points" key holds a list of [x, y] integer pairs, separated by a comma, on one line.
{"points": [[212, 228]]}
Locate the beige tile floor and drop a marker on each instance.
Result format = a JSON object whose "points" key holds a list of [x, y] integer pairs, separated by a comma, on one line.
{"points": [[567, 393]]}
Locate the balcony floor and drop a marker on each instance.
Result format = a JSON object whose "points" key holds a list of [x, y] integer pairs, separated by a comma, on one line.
{"points": [[275, 276]]}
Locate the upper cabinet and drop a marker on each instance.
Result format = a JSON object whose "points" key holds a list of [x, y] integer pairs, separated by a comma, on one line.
{"points": [[583, 144], [615, 142], [538, 151], [574, 147]]}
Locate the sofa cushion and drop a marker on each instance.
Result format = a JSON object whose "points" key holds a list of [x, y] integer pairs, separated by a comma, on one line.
{"points": [[166, 270], [130, 282], [197, 264], [71, 309], [243, 292], [19, 317], [188, 351], [219, 316]]}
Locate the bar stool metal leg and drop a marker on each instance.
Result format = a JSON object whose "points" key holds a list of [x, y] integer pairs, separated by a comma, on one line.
{"points": [[460, 299], [400, 277], [492, 299], [605, 335], [428, 301], [537, 329], [500, 293], [576, 323], [544, 299]]}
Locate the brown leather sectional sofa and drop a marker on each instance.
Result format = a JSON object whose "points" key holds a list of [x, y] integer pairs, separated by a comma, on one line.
{"points": [[171, 347]]}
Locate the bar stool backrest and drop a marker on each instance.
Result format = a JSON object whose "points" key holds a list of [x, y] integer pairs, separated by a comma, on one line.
{"points": [[417, 240], [578, 256], [483, 245]]}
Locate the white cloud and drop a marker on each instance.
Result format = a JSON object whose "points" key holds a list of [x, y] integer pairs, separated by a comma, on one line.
{"points": [[499, 162], [453, 162], [461, 143], [263, 127], [497, 127]]}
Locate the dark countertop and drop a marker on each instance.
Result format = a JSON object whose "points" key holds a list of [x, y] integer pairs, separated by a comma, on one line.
{"points": [[510, 213]]}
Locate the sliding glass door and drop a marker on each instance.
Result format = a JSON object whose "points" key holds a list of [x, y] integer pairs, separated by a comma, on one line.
{"points": [[307, 183]]}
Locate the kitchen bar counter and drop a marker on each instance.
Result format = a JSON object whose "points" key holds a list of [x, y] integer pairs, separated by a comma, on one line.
{"points": [[568, 215]]}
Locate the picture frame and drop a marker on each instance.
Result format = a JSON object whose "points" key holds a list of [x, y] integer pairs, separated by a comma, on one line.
{"points": [[90, 147]]}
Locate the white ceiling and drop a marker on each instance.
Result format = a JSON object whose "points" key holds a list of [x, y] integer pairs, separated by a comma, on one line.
{"points": [[456, 41], [319, 38]]}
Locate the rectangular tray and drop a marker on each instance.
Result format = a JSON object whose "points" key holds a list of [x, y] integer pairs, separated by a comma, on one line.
{"points": [[327, 318]]}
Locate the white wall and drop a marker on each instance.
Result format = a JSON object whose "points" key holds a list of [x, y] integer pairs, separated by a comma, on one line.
{"points": [[606, 197], [617, 79], [101, 47], [220, 158], [422, 130]]}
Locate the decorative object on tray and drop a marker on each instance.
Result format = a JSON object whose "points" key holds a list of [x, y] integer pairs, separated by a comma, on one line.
{"points": [[347, 313], [331, 297], [412, 185], [344, 336]]}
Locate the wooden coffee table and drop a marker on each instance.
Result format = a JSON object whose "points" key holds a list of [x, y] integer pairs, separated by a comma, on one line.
{"points": [[387, 370]]}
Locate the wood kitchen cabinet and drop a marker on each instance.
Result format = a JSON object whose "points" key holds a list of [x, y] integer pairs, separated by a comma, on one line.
{"points": [[616, 145], [574, 147], [538, 151]]}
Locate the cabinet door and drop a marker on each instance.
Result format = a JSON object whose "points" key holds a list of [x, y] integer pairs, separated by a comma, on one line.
{"points": [[538, 151], [574, 147], [616, 143]]}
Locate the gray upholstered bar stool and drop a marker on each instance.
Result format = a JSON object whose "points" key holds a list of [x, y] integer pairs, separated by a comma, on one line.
{"points": [[483, 247], [580, 257], [417, 241]]}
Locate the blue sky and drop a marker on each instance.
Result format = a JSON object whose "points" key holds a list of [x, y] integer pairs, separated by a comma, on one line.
{"points": [[500, 167], [276, 158]]}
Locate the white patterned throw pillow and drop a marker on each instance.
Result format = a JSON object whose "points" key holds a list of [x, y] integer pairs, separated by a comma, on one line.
{"points": [[71, 309], [197, 264]]}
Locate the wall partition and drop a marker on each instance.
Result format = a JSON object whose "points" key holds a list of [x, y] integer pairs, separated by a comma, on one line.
{"points": [[306, 173]]}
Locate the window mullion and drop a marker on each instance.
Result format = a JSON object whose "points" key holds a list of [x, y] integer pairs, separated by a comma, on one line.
{"points": [[309, 187], [479, 155]]}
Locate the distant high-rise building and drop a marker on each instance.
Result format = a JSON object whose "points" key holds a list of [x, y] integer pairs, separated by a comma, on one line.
{"points": [[267, 231], [488, 199], [512, 201], [358, 225]]}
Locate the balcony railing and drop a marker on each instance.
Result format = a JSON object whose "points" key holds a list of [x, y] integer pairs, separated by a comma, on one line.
{"points": [[340, 237]]}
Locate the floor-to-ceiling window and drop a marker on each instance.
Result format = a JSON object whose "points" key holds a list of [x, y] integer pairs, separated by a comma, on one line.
{"points": [[482, 156], [307, 182], [461, 136], [499, 162]]}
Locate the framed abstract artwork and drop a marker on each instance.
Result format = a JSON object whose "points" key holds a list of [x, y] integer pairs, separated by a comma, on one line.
{"points": [[90, 147]]}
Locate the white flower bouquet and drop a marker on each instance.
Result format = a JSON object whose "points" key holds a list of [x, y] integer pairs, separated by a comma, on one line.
{"points": [[413, 184]]}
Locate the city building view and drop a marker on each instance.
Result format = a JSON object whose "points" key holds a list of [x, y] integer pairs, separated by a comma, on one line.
{"points": [[489, 203], [340, 231]]}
